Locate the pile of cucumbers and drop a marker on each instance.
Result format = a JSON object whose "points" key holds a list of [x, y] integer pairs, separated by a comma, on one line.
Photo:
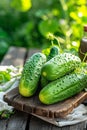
{"points": [[61, 76]]}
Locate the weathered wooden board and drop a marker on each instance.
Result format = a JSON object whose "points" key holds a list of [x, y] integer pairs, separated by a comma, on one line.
{"points": [[15, 56], [17, 121], [33, 105], [42, 125]]}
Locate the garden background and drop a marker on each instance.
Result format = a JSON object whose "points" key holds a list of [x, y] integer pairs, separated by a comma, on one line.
{"points": [[28, 23]]}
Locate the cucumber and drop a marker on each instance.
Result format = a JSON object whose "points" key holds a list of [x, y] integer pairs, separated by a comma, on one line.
{"points": [[54, 50], [44, 82], [31, 74], [59, 66], [63, 88]]}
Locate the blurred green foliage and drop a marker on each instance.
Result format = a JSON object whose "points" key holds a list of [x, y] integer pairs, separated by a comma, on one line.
{"points": [[27, 23]]}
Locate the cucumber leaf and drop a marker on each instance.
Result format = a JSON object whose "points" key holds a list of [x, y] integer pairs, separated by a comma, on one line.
{"points": [[4, 76]]}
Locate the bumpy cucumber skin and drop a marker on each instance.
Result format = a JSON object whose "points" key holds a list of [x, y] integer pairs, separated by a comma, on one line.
{"points": [[63, 88], [60, 65], [53, 52], [31, 74]]}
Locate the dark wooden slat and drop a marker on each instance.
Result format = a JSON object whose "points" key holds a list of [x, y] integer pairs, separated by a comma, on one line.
{"points": [[14, 56], [3, 124], [37, 124], [18, 121], [33, 104]]}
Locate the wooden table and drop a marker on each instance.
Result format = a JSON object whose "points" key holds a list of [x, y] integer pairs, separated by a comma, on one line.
{"points": [[23, 121]]}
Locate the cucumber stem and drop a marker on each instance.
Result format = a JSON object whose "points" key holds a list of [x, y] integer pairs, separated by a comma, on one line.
{"points": [[85, 55], [52, 42]]}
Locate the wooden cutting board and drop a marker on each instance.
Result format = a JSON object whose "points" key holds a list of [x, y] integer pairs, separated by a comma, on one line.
{"points": [[33, 105]]}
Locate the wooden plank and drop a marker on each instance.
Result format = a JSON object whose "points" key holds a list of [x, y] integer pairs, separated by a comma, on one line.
{"points": [[14, 56], [18, 121], [33, 104], [37, 124], [3, 124]]}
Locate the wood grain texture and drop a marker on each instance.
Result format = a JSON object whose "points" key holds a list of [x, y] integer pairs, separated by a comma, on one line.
{"points": [[18, 121], [3, 124], [15, 56], [33, 105], [42, 125]]}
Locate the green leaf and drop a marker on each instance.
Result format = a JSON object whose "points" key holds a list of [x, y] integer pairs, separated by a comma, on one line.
{"points": [[4, 76], [48, 26], [6, 114]]}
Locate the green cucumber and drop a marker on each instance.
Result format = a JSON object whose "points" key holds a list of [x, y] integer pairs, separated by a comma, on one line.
{"points": [[54, 50], [59, 66], [63, 88], [31, 74]]}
